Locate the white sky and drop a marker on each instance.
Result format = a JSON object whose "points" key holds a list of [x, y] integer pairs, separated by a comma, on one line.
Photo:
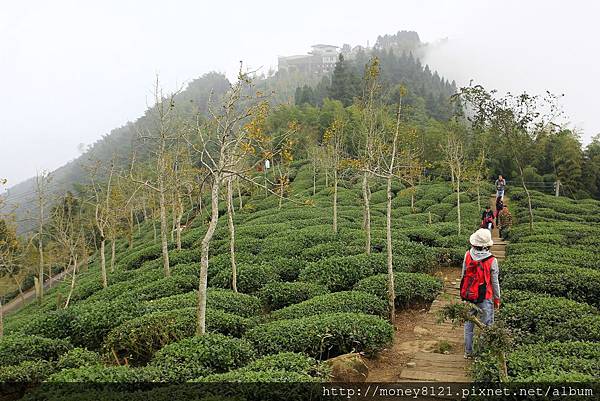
{"points": [[70, 71]]}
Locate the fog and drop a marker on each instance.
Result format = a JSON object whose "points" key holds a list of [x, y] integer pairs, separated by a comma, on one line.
{"points": [[71, 71]]}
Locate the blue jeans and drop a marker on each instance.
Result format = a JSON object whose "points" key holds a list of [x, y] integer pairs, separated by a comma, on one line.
{"points": [[486, 316], [500, 193]]}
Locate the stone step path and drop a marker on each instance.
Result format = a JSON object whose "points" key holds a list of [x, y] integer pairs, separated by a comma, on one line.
{"points": [[499, 247], [441, 359], [445, 363]]}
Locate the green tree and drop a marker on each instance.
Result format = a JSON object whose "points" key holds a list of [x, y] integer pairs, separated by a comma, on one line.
{"points": [[344, 82]]}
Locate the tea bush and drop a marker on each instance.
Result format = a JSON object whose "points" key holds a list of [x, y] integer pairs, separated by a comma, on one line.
{"points": [[323, 336], [279, 295], [200, 356], [409, 287], [344, 301]]}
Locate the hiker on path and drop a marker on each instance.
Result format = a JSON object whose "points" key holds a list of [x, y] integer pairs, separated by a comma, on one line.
{"points": [[487, 218], [504, 222], [499, 207], [500, 186], [479, 283]]}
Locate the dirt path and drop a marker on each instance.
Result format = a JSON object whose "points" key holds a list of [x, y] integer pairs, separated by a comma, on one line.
{"points": [[499, 247], [423, 349], [29, 295]]}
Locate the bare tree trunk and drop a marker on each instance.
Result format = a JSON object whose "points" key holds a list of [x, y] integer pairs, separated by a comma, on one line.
{"points": [[367, 213], [19, 287], [85, 257], [103, 262], [239, 190], [72, 283], [231, 233], [458, 202], [528, 198], [390, 262], [112, 255], [314, 178], [281, 187], [41, 267], [178, 225], [335, 196], [130, 233], [163, 232], [212, 225], [154, 230], [144, 209]]}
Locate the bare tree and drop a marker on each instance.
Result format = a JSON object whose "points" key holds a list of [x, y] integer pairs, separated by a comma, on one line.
{"points": [[455, 160], [42, 180], [160, 137], [370, 121], [332, 139], [233, 135], [67, 231], [103, 214]]}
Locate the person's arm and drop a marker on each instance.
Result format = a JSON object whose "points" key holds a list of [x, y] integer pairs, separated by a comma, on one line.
{"points": [[464, 267], [494, 271]]}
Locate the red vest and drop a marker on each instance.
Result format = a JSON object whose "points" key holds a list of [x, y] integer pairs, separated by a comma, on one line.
{"points": [[487, 269]]}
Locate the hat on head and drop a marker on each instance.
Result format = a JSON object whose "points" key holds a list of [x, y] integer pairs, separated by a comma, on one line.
{"points": [[481, 237]]}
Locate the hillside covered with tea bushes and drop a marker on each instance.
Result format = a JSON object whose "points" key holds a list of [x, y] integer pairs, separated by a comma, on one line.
{"points": [[550, 281], [305, 294]]}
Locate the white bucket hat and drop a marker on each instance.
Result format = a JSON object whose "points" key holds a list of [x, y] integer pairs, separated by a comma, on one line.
{"points": [[481, 237]]}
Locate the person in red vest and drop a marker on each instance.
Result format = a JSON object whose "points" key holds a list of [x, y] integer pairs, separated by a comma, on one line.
{"points": [[479, 282]]}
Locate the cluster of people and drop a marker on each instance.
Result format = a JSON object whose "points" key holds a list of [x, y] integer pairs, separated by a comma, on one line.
{"points": [[479, 278], [501, 217]]}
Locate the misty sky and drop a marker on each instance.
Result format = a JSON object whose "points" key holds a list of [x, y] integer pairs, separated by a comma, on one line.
{"points": [[70, 71]]}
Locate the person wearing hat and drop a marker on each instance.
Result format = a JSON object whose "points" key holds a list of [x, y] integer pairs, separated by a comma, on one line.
{"points": [[478, 260]]}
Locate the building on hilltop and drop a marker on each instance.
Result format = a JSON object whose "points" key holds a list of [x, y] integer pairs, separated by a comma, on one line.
{"points": [[320, 59]]}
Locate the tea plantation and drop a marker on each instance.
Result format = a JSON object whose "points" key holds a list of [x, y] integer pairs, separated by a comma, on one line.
{"points": [[305, 294], [550, 281]]}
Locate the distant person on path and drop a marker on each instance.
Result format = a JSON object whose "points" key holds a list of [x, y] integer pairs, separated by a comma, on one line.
{"points": [[504, 222], [499, 207], [479, 283], [487, 218], [500, 186]]}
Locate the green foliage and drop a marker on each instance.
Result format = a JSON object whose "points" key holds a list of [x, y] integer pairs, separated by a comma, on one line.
{"points": [[287, 362], [281, 294], [107, 374], [409, 287], [77, 358], [339, 273], [250, 278], [556, 360], [17, 348], [575, 283], [323, 336], [344, 301], [531, 318], [226, 300], [199, 356], [136, 259], [138, 339], [29, 372]]}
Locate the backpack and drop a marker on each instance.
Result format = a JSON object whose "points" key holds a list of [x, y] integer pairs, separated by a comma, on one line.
{"points": [[473, 286], [488, 219]]}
